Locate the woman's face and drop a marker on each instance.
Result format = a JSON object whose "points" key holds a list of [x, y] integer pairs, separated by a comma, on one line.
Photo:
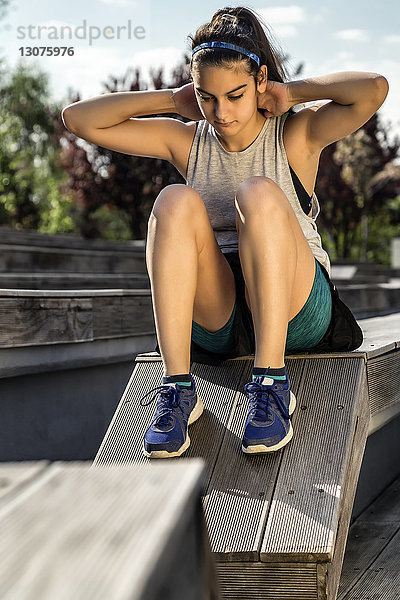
{"points": [[226, 96]]}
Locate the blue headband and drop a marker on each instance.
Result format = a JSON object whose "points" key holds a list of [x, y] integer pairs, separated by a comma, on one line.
{"points": [[229, 46]]}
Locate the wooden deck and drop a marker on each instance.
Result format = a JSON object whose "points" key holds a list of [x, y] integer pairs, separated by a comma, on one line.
{"points": [[371, 562], [278, 523]]}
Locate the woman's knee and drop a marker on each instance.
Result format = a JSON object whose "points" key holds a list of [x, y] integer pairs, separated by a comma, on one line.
{"points": [[177, 200], [259, 195]]}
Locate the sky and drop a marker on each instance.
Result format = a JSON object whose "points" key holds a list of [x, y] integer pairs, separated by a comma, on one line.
{"points": [[108, 37]]}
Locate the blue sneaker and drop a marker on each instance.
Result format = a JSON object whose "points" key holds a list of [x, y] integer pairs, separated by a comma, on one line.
{"points": [[268, 427], [177, 407]]}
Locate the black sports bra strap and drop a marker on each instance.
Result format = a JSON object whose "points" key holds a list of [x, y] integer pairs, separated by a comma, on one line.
{"points": [[304, 198]]}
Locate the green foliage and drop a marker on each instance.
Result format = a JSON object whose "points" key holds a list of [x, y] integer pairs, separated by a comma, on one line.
{"points": [[357, 180], [57, 213], [383, 228], [30, 195], [113, 224]]}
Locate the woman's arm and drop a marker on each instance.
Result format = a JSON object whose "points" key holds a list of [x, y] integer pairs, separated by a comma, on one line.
{"points": [[111, 121], [355, 97], [108, 110]]}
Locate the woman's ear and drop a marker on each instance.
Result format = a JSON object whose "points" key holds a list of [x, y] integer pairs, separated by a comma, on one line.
{"points": [[262, 78]]}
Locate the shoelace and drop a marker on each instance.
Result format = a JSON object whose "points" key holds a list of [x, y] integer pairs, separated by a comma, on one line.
{"points": [[260, 401], [168, 400]]}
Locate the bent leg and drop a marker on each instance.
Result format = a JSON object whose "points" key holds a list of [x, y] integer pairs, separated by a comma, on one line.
{"points": [[277, 262], [190, 277]]}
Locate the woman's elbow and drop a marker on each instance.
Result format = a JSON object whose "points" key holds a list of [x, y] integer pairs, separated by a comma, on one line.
{"points": [[382, 88], [67, 118]]}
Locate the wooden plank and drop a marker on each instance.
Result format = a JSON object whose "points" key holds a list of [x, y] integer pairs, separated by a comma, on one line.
{"points": [[305, 508], [382, 329], [370, 299], [263, 581], [365, 542], [17, 293], [238, 496], [49, 317], [217, 388], [369, 535], [384, 381], [14, 238], [122, 315], [382, 579], [350, 477], [31, 321], [104, 533], [386, 508], [43, 359], [70, 260], [73, 281], [380, 333], [14, 477]]}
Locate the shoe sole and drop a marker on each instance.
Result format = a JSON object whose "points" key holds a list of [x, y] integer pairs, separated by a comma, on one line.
{"points": [[194, 415], [261, 448]]}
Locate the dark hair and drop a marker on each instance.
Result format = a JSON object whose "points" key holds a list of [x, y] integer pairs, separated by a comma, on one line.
{"points": [[246, 30]]}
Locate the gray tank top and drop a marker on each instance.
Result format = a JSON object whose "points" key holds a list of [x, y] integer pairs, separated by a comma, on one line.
{"points": [[215, 173]]}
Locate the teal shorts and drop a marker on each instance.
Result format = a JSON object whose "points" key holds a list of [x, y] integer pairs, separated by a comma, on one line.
{"points": [[236, 337]]}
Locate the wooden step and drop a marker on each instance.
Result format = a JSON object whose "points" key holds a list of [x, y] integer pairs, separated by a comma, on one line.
{"points": [[15, 259], [73, 281], [38, 317], [70, 531], [278, 523], [29, 237], [29, 251]]}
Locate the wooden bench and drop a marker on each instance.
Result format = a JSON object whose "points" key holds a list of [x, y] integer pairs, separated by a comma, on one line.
{"points": [[71, 531], [278, 523], [39, 317]]}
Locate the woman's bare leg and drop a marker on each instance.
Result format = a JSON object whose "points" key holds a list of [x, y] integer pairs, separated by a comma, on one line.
{"points": [[277, 262], [190, 278]]}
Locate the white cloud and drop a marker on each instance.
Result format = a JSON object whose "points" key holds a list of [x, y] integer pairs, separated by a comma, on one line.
{"points": [[282, 19], [392, 39], [285, 31], [282, 15], [353, 35]]}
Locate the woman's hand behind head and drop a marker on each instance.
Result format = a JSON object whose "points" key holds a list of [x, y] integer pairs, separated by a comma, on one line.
{"points": [[274, 101], [186, 102]]}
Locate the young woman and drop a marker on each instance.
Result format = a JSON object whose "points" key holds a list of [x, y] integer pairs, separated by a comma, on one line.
{"points": [[234, 257]]}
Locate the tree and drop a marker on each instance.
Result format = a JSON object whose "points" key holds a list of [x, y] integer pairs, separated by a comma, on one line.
{"points": [[29, 175], [352, 190]]}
